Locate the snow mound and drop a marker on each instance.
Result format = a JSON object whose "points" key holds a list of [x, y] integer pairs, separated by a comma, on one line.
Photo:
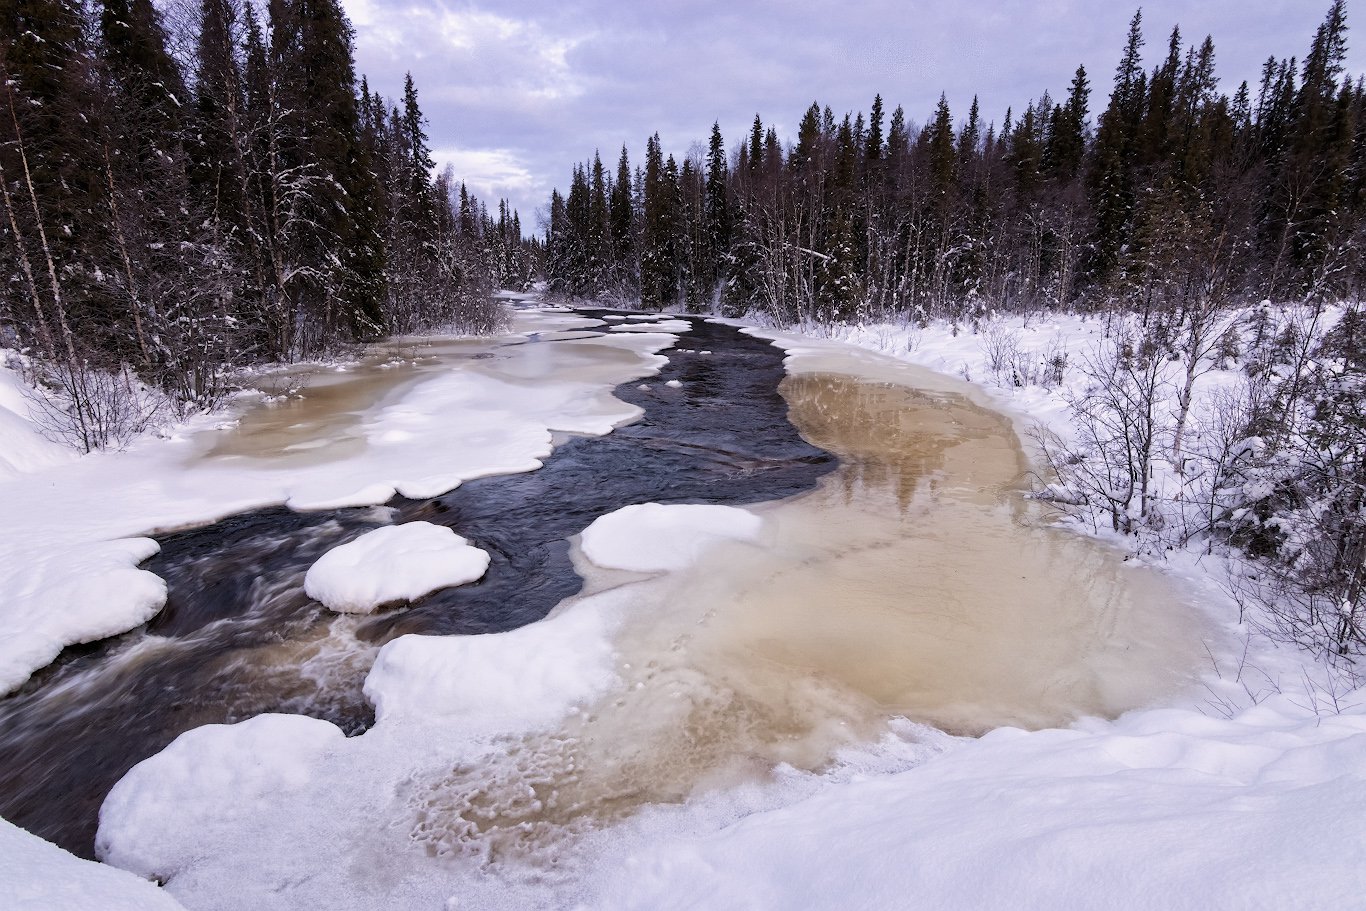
{"points": [[651, 537], [36, 875], [394, 563], [662, 325], [521, 680], [23, 448], [256, 762]]}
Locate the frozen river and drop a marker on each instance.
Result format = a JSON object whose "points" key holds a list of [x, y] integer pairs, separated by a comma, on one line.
{"points": [[899, 573]]}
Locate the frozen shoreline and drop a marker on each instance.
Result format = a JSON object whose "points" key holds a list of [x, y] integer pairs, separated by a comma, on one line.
{"points": [[70, 571], [1101, 813]]}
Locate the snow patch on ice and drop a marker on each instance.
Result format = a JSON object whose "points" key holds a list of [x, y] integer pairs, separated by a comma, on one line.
{"points": [[651, 537], [522, 680], [55, 598], [256, 762], [395, 563], [663, 325]]}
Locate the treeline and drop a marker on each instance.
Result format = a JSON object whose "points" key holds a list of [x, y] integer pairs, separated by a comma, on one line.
{"points": [[181, 200], [1178, 192]]}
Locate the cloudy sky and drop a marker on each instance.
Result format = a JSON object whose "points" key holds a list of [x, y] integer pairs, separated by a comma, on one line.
{"points": [[516, 91]]}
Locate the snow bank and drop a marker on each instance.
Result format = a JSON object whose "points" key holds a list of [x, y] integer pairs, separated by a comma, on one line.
{"points": [[23, 448], [651, 537], [69, 553], [394, 563], [1163, 809], [36, 875], [59, 597], [254, 764]]}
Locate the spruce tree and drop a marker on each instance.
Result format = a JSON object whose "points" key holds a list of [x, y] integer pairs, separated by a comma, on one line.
{"points": [[623, 227], [717, 212]]}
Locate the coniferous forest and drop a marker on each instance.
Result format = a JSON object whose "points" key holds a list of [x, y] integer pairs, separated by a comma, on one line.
{"points": [[1204, 229], [1177, 191], [185, 198]]}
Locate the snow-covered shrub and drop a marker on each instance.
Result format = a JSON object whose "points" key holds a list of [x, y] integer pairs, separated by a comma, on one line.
{"points": [[1108, 470], [1001, 346], [89, 408], [1011, 363]]}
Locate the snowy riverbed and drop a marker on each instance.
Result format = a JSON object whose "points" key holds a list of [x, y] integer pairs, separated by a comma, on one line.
{"points": [[1247, 790]]}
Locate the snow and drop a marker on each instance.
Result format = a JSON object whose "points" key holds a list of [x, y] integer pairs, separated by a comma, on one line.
{"points": [[23, 448], [38, 876], [80, 593], [656, 325], [650, 537], [69, 568], [394, 563], [1162, 809], [526, 679], [263, 760], [1251, 793]]}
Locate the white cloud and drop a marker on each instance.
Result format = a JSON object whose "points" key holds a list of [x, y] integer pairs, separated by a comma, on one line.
{"points": [[492, 174], [475, 51]]}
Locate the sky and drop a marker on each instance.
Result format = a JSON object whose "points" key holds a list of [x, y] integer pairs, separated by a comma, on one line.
{"points": [[517, 91]]}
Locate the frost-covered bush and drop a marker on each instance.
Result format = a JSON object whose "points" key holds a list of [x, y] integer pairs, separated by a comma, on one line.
{"points": [[88, 408], [1011, 364], [1108, 469], [1272, 464]]}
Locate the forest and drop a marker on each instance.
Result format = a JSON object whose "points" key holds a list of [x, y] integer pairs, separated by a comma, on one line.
{"points": [[1205, 230], [182, 199]]}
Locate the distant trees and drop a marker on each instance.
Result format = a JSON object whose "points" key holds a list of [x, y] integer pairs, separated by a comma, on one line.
{"points": [[1174, 188], [162, 224]]}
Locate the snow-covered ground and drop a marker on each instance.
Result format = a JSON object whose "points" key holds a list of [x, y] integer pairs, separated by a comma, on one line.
{"points": [[1248, 791]]}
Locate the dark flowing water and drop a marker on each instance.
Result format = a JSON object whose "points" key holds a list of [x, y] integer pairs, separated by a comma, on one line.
{"points": [[239, 637]]}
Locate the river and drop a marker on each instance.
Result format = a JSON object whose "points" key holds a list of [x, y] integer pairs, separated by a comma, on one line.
{"points": [[901, 573]]}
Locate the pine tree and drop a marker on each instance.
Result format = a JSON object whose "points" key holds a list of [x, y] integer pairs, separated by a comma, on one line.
{"points": [[873, 148], [324, 192], [1067, 133], [144, 170], [51, 173], [658, 265], [598, 241]]}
